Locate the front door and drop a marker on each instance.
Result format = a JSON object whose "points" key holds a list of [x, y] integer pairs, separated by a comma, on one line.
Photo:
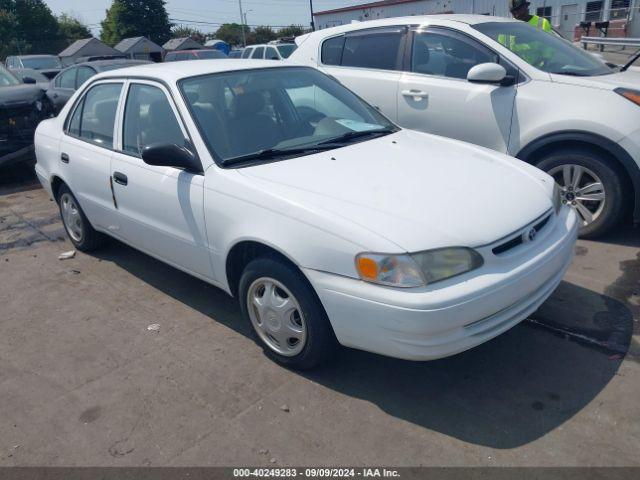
{"points": [[160, 208], [434, 95]]}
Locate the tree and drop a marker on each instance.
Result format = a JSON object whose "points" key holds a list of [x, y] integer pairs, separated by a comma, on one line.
{"points": [[7, 34], [184, 31], [263, 34], [136, 18], [232, 33], [71, 29], [30, 28], [291, 31]]}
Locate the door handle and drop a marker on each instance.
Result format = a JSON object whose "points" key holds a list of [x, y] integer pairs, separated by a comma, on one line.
{"points": [[64, 158], [120, 178], [416, 94]]}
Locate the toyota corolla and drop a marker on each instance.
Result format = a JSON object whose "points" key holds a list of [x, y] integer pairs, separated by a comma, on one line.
{"points": [[330, 224]]}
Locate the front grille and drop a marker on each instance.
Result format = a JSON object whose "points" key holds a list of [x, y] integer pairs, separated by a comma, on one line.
{"points": [[520, 238]]}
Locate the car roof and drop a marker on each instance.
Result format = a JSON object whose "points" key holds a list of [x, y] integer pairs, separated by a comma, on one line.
{"points": [[36, 56], [194, 50], [440, 19], [173, 71]]}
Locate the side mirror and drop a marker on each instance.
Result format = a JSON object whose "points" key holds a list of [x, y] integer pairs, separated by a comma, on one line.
{"points": [[171, 155], [488, 73], [29, 80]]}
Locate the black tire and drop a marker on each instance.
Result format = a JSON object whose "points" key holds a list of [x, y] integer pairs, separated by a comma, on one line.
{"points": [[320, 341], [90, 239], [611, 179]]}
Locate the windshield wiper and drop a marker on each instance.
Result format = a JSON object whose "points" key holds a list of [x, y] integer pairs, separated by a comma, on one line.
{"points": [[630, 62], [570, 73], [271, 153], [342, 139]]}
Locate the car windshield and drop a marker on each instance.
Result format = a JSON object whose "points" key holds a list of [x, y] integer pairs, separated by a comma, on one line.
{"points": [[270, 113], [6, 79], [547, 52], [41, 63], [286, 50], [208, 54]]}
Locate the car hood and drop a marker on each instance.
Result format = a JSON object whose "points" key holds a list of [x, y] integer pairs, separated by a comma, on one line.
{"points": [[19, 95], [416, 190], [628, 79]]}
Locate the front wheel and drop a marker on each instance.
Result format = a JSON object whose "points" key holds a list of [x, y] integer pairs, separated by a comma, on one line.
{"points": [[287, 317], [590, 185]]}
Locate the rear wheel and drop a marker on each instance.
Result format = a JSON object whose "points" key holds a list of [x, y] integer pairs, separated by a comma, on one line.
{"points": [[80, 232], [287, 317], [590, 185]]}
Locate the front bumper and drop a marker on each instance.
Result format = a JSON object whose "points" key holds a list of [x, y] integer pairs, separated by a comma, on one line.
{"points": [[442, 320]]}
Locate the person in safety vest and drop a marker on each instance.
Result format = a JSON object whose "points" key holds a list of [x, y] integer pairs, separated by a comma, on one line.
{"points": [[532, 53], [520, 11]]}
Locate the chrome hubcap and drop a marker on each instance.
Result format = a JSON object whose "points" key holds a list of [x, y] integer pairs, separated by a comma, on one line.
{"points": [[276, 316], [582, 189], [71, 217]]}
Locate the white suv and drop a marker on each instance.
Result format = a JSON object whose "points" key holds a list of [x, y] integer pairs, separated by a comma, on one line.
{"points": [[541, 100], [271, 51]]}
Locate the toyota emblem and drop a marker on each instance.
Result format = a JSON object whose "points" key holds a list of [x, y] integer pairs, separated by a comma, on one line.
{"points": [[531, 235]]}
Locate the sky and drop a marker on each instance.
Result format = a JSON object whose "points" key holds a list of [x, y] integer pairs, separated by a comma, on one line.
{"points": [[259, 12]]}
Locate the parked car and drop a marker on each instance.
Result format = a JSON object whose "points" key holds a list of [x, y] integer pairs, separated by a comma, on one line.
{"points": [[203, 54], [327, 222], [48, 65], [541, 100], [69, 79], [22, 107], [30, 76], [235, 54], [271, 51]]}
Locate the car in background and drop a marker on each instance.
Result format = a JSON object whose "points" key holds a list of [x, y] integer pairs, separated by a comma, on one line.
{"points": [[235, 54], [68, 80], [22, 107], [270, 51], [325, 220], [48, 65], [30, 76], [505, 85], [203, 54]]}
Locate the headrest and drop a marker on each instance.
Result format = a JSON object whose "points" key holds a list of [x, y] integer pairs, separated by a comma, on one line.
{"points": [[249, 103]]}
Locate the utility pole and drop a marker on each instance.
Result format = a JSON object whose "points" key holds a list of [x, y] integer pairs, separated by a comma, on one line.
{"points": [[244, 38], [313, 25]]}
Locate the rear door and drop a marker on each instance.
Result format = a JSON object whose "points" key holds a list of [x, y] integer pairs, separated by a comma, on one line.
{"points": [[369, 63], [434, 95], [160, 209], [86, 149], [62, 87]]}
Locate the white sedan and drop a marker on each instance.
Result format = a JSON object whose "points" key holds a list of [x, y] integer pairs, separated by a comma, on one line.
{"points": [[329, 223]]}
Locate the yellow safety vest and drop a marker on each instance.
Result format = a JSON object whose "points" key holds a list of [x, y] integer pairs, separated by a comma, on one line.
{"points": [[533, 56]]}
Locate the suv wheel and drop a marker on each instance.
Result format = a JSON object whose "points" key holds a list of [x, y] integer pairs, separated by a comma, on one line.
{"points": [[78, 228], [287, 317], [589, 185]]}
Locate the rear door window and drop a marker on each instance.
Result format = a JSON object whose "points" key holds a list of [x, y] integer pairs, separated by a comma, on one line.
{"points": [[377, 48], [258, 52], [84, 74], [94, 118], [272, 54], [246, 52], [332, 51]]}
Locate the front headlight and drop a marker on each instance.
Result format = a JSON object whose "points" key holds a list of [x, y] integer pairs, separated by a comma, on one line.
{"points": [[557, 198], [417, 269]]}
